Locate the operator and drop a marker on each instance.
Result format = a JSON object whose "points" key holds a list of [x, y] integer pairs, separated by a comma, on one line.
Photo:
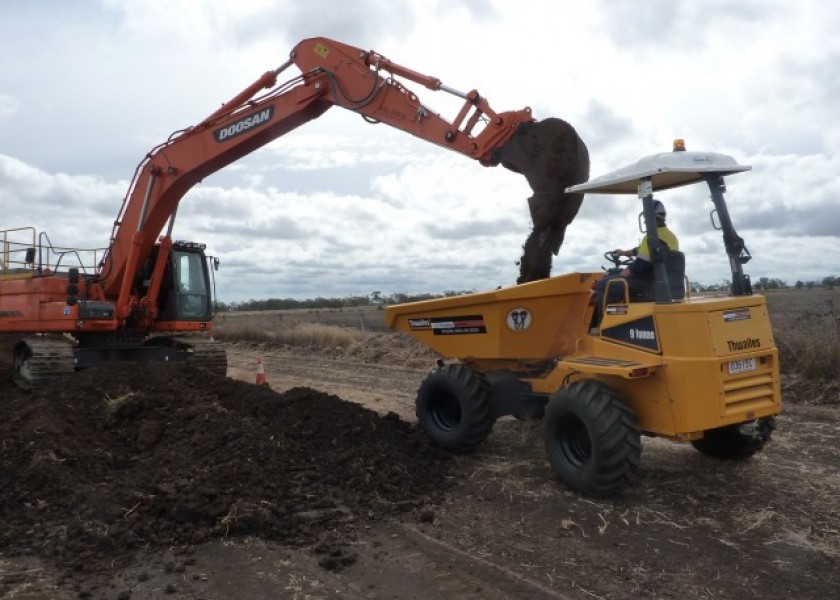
{"points": [[639, 273]]}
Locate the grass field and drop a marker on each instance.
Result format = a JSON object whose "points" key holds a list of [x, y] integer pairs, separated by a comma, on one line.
{"points": [[806, 324], [365, 318]]}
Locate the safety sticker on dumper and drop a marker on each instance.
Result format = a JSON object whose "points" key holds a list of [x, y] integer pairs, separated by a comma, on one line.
{"points": [[740, 314], [458, 325]]}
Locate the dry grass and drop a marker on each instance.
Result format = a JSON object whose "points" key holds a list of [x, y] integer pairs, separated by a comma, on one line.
{"points": [[810, 349], [308, 335], [366, 318], [806, 325]]}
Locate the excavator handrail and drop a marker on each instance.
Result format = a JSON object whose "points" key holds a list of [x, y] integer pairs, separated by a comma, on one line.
{"points": [[35, 254], [87, 266]]}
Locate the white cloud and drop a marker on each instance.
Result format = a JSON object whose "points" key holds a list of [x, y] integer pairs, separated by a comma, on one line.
{"points": [[342, 207], [8, 107]]}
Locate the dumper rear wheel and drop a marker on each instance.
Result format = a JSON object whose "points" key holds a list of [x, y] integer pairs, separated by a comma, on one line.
{"points": [[591, 437], [736, 442], [453, 408]]}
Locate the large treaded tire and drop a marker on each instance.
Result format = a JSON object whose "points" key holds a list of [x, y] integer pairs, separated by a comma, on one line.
{"points": [[730, 443], [591, 437], [453, 408]]}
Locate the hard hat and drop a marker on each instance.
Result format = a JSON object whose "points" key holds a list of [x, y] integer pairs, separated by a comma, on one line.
{"points": [[659, 208]]}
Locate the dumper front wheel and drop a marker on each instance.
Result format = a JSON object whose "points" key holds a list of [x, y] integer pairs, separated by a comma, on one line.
{"points": [[453, 408], [591, 437]]}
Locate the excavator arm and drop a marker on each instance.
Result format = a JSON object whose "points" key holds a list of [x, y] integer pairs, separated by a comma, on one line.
{"points": [[356, 82], [549, 153]]}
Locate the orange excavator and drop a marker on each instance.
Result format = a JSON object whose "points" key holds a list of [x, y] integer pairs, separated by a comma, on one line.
{"points": [[145, 297]]}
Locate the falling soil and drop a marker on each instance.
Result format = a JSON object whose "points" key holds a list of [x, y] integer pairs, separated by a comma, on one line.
{"points": [[552, 156], [105, 462]]}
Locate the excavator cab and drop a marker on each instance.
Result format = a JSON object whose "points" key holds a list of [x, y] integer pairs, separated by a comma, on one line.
{"points": [[188, 297], [185, 293]]}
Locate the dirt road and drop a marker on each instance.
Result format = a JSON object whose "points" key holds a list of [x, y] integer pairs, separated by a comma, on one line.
{"points": [[505, 528], [381, 387]]}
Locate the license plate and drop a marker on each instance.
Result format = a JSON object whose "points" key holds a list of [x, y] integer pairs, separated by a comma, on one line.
{"points": [[742, 365]]}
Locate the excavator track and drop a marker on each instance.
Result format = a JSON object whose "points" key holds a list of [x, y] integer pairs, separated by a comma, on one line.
{"points": [[38, 360], [202, 353]]}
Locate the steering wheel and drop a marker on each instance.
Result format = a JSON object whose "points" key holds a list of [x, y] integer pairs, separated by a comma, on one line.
{"points": [[619, 262]]}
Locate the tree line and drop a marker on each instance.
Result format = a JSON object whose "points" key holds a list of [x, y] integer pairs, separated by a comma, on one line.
{"points": [[376, 298], [768, 283]]}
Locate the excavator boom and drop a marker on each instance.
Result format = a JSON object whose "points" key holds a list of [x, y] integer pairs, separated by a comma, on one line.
{"points": [[549, 153]]}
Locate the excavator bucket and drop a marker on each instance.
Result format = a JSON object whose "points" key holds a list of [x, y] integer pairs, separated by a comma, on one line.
{"points": [[552, 157]]}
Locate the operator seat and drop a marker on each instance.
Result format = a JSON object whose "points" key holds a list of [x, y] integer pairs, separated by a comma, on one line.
{"points": [[675, 268]]}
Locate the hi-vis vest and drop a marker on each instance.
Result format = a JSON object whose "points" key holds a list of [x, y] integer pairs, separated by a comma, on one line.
{"points": [[665, 234]]}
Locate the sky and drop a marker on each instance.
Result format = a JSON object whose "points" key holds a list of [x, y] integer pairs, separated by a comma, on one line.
{"points": [[341, 207]]}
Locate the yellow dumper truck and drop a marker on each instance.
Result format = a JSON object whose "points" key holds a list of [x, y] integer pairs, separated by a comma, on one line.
{"points": [[702, 369]]}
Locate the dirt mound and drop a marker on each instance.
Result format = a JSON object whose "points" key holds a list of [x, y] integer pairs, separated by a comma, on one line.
{"points": [[107, 461]]}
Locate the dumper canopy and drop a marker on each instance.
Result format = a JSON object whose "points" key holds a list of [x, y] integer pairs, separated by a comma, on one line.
{"points": [[664, 170], [667, 170]]}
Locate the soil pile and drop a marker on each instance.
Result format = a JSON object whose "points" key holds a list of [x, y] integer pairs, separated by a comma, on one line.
{"points": [[106, 461]]}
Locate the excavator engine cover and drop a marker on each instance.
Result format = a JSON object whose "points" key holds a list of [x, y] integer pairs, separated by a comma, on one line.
{"points": [[552, 157]]}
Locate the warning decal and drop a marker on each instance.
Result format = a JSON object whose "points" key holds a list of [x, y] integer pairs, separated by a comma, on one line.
{"points": [[456, 325]]}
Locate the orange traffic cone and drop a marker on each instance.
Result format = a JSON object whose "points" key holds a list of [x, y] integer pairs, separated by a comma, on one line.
{"points": [[261, 373]]}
